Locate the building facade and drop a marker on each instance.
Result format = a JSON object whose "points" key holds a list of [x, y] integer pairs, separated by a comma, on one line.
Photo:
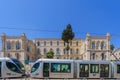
{"points": [[18, 47], [91, 48], [58, 47], [96, 47]]}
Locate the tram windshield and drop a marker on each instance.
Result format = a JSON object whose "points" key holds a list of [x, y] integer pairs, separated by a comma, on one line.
{"points": [[35, 67], [19, 64]]}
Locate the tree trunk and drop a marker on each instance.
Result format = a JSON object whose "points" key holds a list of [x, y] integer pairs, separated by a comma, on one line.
{"points": [[67, 49]]}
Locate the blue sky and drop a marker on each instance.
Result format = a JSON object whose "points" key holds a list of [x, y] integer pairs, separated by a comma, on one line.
{"points": [[48, 18]]}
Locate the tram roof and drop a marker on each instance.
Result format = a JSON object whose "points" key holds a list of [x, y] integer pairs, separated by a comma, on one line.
{"points": [[4, 58], [92, 61], [55, 60]]}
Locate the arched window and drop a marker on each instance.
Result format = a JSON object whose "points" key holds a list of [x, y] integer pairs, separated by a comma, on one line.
{"points": [[44, 43], [93, 45], [17, 56], [64, 51], [93, 56], [50, 43], [45, 51], [71, 51], [57, 43], [102, 45], [17, 46], [8, 46], [28, 48], [77, 51], [102, 56], [38, 51], [77, 43], [57, 51], [38, 43]]}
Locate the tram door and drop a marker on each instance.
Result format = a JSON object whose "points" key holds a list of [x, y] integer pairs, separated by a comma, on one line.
{"points": [[0, 69], [46, 69]]}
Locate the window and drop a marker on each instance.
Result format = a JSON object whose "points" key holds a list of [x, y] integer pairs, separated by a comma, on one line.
{"points": [[35, 67], [64, 51], [93, 45], [28, 48], [71, 51], [17, 55], [118, 69], [38, 43], [77, 43], [94, 68], [12, 67], [17, 46], [57, 51], [93, 56], [77, 51], [102, 56], [38, 51], [8, 46], [64, 43], [45, 51], [57, 43], [50, 43], [61, 67], [102, 45], [70, 43], [44, 43], [84, 70], [104, 70]]}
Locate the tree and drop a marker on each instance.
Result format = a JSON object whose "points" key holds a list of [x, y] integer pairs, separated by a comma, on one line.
{"points": [[50, 54], [112, 47], [67, 36]]}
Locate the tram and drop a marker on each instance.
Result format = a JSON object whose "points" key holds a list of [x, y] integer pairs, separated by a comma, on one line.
{"points": [[11, 68], [75, 69]]}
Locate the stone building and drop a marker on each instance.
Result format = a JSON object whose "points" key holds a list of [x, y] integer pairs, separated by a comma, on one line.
{"points": [[96, 47], [18, 47], [91, 48], [58, 47]]}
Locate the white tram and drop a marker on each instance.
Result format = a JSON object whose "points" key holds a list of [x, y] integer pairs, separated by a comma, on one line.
{"points": [[75, 69], [93, 69], [11, 68], [52, 68], [115, 69]]}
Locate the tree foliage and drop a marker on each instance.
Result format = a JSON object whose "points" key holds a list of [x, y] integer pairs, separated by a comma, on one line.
{"points": [[50, 54], [112, 47], [67, 36]]}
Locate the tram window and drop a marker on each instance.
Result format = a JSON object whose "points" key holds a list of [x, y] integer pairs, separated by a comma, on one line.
{"points": [[84, 70], [19, 64], [35, 67], [118, 69], [104, 70], [12, 66], [61, 67], [94, 68], [65, 68], [55, 67]]}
